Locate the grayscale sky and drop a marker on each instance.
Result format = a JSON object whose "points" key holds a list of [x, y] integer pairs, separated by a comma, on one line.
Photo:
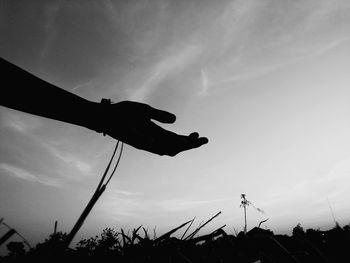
{"points": [[267, 81]]}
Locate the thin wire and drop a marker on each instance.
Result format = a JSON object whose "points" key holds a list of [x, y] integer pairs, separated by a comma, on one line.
{"points": [[106, 171], [116, 165]]}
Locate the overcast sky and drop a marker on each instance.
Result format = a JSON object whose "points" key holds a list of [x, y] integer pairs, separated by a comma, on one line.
{"points": [[267, 81]]}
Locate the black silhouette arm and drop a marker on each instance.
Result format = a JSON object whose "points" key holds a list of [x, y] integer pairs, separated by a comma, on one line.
{"points": [[127, 121]]}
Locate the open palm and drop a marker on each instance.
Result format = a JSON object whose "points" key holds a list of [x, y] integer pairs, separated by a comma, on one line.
{"points": [[136, 128]]}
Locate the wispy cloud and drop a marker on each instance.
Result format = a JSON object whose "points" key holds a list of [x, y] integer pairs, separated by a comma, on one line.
{"points": [[20, 122], [170, 65], [322, 12], [205, 83], [70, 160], [125, 193], [81, 86], [254, 71], [27, 130], [254, 38], [23, 174], [51, 11]]}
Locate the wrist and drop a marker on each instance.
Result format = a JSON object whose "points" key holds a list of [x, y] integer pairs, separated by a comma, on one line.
{"points": [[98, 112]]}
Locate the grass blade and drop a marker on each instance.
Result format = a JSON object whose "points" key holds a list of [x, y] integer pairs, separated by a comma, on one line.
{"points": [[199, 228]]}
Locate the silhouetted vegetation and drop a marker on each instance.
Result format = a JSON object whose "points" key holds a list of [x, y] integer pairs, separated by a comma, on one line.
{"points": [[257, 245]]}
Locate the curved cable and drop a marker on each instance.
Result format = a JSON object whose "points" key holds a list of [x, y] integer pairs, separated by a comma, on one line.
{"points": [[107, 168], [116, 165]]}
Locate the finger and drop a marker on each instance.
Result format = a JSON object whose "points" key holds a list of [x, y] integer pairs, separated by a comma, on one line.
{"points": [[194, 135], [156, 139], [160, 115], [194, 141], [170, 143], [186, 143], [200, 141]]}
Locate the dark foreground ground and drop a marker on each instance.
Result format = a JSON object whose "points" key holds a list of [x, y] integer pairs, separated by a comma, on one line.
{"points": [[258, 245]]}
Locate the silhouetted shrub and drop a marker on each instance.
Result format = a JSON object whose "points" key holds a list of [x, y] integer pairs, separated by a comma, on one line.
{"points": [[298, 230], [16, 249], [258, 244]]}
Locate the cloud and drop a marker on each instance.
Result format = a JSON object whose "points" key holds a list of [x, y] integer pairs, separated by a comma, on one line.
{"points": [[28, 125], [326, 13], [20, 122], [205, 83], [125, 193], [82, 86], [51, 11], [174, 62], [23, 174], [254, 38], [29, 144], [71, 160]]}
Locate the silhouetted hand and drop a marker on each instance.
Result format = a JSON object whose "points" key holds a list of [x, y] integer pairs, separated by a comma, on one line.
{"points": [[131, 122]]}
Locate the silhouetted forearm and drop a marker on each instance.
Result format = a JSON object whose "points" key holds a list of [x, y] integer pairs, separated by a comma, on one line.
{"points": [[26, 92], [130, 122]]}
